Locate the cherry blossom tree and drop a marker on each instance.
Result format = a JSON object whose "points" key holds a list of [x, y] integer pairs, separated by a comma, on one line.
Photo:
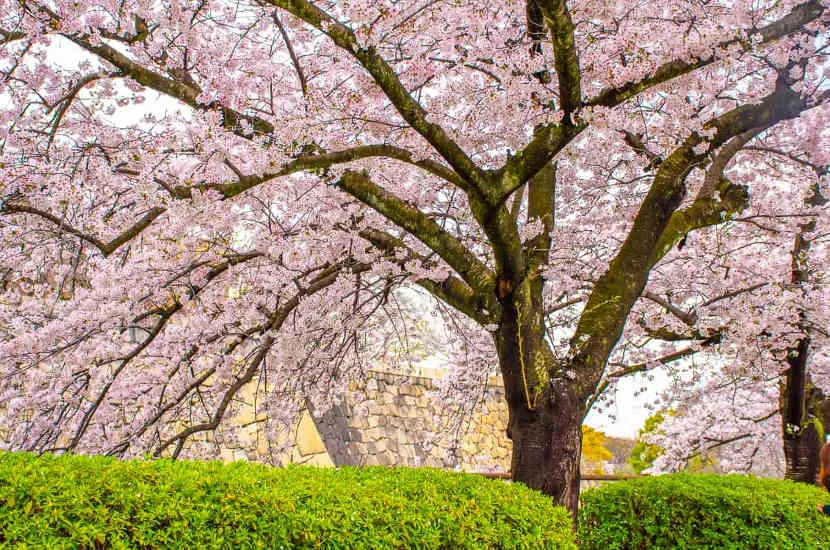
{"points": [[198, 197], [748, 408]]}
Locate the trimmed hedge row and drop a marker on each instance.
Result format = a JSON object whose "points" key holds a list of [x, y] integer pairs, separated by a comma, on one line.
{"points": [[97, 502], [703, 511]]}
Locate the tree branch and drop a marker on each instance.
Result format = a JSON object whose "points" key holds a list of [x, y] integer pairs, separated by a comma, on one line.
{"points": [[798, 17], [566, 61], [178, 89], [388, 81], [277, 319], [615, 292], [714, 174], [322, 161], [294, 59], [547, 141], [164, 314], [63, 104], [732, 294], [688, 318], [474, 273], [106, 248], [541, 202], [703, 212], [451, 290], [663, 360]]}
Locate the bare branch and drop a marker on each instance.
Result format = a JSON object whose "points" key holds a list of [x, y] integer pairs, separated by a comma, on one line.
{"points": [[688, 318], [106, 248], [292, 54]]}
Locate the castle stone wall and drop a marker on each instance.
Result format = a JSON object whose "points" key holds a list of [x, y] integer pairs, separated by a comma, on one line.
{"points": [[392, 419]]}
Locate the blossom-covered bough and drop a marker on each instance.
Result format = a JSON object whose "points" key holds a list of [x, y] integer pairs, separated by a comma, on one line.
{"points": [[202, 196]]}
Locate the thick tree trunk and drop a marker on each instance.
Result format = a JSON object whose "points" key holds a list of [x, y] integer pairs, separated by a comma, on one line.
{"points": [[547, 443], [801, 438], [801, 454], [545, 422]]}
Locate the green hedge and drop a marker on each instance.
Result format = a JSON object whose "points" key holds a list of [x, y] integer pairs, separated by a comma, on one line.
{"points": [[95, 502], [703, 511]]}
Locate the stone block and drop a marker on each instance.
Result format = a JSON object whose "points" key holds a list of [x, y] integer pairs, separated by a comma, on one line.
{"points": [[406, 451], [413, 390], [414, 425], [386, 458], [469, 449], [373, 434], [375, 447], [307, 438]]}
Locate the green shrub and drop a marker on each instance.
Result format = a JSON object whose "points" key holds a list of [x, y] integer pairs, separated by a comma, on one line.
{"points": [[703, 511], [96, 502]]}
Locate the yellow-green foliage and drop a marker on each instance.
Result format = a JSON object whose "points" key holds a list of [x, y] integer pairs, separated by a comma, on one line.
{"points": [[643, 454], [95, 502], [594, 452], [684, 511]]}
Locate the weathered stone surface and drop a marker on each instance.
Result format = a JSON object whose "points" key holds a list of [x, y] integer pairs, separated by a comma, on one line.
{"points": [[376, 447], [390, 419], [308, 440]]}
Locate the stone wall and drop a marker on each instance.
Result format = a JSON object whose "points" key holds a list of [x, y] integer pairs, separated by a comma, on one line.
{"points": [[388, 419], [391, 419]]}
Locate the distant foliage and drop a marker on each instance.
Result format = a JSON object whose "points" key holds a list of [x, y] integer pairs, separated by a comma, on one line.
{"points": [[81, 502], [703, 511], [594, 452], [643, 454]]}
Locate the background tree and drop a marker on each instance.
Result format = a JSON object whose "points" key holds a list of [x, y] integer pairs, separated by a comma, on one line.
{"points": [[594, 451], [767, 391], [543, 170], [644, 454]]}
